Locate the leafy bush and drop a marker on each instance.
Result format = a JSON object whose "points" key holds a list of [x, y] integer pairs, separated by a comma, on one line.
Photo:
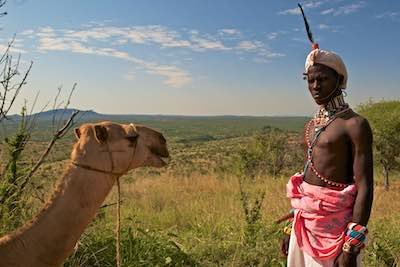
{"points": [[384, 117], [266, 154]]}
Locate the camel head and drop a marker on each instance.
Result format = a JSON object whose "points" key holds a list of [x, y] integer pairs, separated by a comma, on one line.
{"points": [[118, 148]]}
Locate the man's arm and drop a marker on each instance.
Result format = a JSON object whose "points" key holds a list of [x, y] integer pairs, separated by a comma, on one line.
{"points": [[361, 137]]}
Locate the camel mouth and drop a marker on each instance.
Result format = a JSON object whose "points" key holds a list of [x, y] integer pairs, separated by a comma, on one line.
{"points": [[158, 161], [160, 156], [161, 152], [166, 160]]}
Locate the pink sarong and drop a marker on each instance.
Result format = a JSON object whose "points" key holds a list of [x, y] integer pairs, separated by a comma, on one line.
{"points": [[321, 216]]}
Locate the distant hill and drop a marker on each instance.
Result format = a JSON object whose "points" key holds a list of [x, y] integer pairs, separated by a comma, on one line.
{"points": [[56, 114], [184, 129], [64, 114], [90, 115]]}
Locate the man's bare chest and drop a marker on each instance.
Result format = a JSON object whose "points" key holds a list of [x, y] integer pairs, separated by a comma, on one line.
{"points": [[333, 139]]}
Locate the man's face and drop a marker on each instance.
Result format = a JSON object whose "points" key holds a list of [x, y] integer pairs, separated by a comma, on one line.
{"points": [[323, 83]]}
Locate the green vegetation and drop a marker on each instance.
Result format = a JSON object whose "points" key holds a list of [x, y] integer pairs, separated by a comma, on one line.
{"points": [[12, 205], [205, 208], [215, 203], [384, 117]]}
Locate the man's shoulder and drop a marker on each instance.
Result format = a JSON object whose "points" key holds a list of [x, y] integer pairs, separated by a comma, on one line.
{"points": [[357, 126], [355, 121]]}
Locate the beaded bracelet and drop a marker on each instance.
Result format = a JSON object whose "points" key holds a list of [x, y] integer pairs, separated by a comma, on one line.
{"points": [[287, 230], [357, 227], [288, 227], [356, 235], [354, 238]]}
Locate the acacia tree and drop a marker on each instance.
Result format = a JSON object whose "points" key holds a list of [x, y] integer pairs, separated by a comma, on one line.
{"points": [[265, 155], [384, 117]]}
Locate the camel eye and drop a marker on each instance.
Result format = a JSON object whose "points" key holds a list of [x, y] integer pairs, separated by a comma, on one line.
{"points": [[132, 138]]}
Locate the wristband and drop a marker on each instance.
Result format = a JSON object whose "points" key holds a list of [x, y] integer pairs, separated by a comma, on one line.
{"points": [[350, 249]]}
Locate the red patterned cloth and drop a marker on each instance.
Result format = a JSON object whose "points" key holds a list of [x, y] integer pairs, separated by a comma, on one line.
{"points": [[321, 216]]}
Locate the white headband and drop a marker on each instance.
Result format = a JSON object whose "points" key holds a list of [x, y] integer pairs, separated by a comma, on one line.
{"points": [[329, 59]]}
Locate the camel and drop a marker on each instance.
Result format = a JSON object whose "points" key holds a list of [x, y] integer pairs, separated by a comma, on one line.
{"points": [[103, 152]]}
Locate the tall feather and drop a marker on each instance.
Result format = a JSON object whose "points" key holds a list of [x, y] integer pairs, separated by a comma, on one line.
{"points": [[309, 34]]}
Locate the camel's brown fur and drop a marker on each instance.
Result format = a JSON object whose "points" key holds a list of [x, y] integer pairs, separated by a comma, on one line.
{"points": [[49, 238]]}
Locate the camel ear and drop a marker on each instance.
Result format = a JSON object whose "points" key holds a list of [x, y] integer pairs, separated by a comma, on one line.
{"points": [[341, 78], [100, 132], [132, 135], [77, 133]]}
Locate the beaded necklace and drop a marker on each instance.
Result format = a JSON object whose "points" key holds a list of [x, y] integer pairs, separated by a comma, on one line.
{"points": [[325, 116], [330, 111]]}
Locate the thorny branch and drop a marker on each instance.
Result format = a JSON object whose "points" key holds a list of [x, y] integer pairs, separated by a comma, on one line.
{"points": [[10, 90], [59, 133]]}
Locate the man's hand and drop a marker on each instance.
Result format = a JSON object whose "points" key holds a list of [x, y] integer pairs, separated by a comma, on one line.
{"points": [[346, 260], [285, 244]]}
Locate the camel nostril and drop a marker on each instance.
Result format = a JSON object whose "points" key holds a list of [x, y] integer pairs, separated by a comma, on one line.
{"points": [[166, 154], [163, 141]]}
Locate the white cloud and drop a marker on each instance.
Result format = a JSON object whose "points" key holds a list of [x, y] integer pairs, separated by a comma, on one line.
{"points": [[327, 11], [12, 49], [230, 31], [93, 33], [174, 76], [269, 54], [47, 43], [115, 41], [145, 35], [291, 11], [306, 5], [313, 4], [27, 32], [156, 34], [323, 26], [120, 42], [263, 53], [272, 35], [389, 14], [344, 10], [348, 9], [330, 28], [46, 29], [201, 44], [249, 45]]}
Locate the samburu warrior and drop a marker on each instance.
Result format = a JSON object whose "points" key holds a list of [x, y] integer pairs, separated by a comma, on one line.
{"points": [[332, 197]]}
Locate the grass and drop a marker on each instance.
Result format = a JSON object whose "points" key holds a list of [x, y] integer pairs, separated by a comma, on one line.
{"points": [[191, 213], [202, 219]]}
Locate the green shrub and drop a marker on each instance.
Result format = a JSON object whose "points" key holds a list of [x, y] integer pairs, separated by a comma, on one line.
{"points": [[265, 155]]}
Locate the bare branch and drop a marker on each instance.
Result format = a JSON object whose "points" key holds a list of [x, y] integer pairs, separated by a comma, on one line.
{"points": [[6, 53], [68, 101], [60, 132], [55, 106], [2, 3], [9, 72], [18, 89]]}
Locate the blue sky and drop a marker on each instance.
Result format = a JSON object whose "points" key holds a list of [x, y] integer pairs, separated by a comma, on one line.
{"points": [[199, 57]]}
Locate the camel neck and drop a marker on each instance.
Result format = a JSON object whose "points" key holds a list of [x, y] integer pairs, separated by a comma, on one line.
{"points": [[59, 225]]}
